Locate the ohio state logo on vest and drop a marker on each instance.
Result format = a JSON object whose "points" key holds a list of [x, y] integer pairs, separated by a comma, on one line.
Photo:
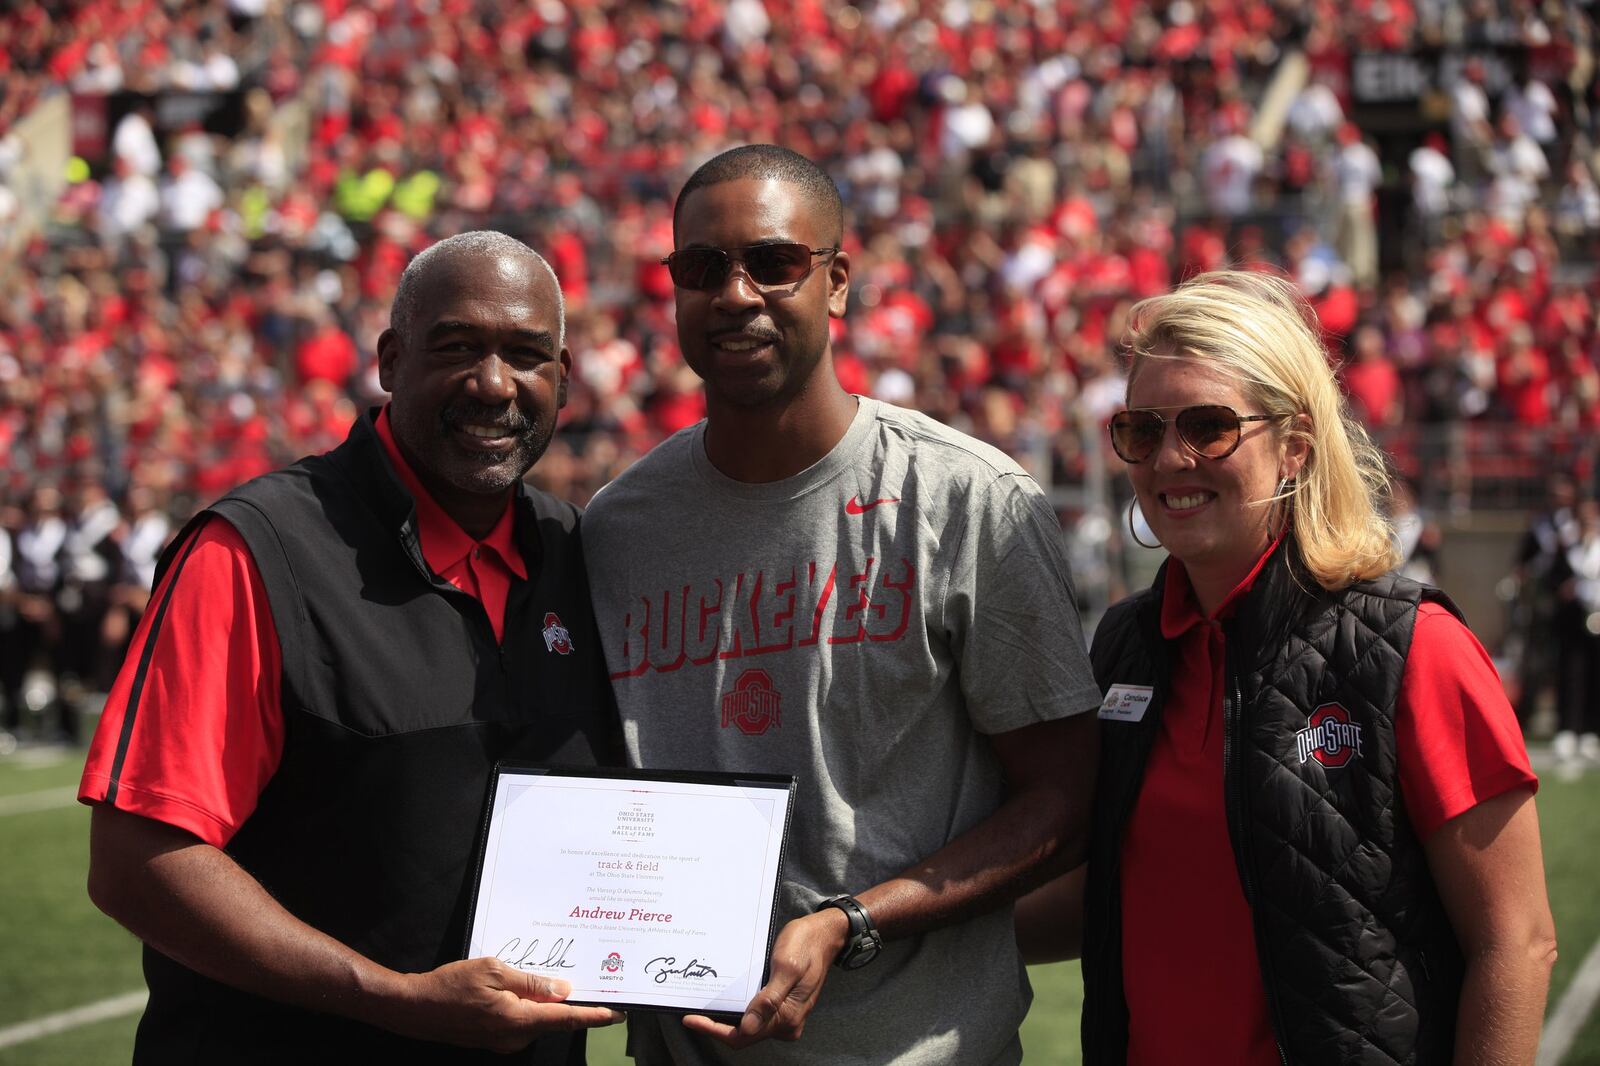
{"points": [[1330, 737], [556, 637], [753, 705]]}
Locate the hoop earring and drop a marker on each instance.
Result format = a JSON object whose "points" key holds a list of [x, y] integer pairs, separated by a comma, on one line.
{"points": [[1283, 498], [1134, 533]]}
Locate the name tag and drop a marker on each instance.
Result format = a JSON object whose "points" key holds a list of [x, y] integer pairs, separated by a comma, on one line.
{"points": [[1126, 703]]}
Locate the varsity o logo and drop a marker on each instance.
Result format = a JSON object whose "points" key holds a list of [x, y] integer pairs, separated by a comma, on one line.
{"points": [[556, 637], [612, 963], [1330, 737], [753, 705]]}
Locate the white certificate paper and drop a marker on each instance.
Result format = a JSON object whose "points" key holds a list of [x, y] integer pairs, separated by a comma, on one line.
{"points": [[651, 891]]}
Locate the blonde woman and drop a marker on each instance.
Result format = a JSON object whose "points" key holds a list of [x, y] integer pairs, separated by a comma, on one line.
{"points": [[1315, 836]]}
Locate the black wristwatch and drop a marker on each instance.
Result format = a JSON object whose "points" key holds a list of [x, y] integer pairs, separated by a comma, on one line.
{"points": [[864, 941]]}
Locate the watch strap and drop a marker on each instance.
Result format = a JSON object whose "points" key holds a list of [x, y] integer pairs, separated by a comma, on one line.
{"points": [[863, 941]]}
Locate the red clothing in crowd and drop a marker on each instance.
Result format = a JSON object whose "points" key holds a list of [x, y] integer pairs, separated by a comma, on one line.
{"points": [[1524, 384], [1337, 309], [1374, 388], [327, 355]]}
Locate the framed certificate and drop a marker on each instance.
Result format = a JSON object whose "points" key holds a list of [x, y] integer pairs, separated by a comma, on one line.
{"points": [[652, 891]]}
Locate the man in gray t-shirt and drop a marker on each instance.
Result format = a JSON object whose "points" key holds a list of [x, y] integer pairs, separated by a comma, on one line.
{"points": [[820, 585]]}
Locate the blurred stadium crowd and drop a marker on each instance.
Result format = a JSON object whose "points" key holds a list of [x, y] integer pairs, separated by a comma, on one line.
{"points": [[252, 176]]}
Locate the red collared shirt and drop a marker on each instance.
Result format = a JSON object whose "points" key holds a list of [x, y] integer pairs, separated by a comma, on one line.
{"points": [[209, 731], [1190, 970], [483, 568]]}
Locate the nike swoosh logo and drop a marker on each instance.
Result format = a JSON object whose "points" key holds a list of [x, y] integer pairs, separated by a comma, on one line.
{"points": [[855, 506]]}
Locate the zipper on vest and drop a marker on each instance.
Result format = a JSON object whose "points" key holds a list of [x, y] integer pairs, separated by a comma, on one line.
{"points": [[1234, 798]]}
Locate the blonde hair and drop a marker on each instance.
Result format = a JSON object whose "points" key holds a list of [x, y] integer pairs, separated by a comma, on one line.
{"points": [[1256, 329]]}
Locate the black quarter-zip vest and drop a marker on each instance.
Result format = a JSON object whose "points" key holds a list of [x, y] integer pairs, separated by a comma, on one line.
{"points": [[1357, 955], [397, 702]]}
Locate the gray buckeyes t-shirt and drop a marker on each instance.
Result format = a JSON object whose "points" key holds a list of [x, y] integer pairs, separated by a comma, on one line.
{"points": [[860, 625]]}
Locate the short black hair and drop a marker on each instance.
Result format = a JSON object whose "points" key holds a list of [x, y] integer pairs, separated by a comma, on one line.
{"points": [[770, 161]]}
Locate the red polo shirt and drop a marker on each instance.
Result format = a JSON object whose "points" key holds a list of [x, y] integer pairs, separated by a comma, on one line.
{"points": [[1190, 970], [209, 730]]}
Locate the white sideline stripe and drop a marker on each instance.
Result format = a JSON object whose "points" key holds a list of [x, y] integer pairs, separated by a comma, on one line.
{"points": [[88, 1014], [1577, 1002], [43, 800], [39, 758]]}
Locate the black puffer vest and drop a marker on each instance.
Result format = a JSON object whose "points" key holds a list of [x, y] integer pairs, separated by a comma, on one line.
{"points": [[1357, 955], [397, 701]]}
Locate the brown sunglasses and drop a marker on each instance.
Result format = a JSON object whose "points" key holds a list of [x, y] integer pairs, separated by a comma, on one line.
{"points": [[1211, 431]]}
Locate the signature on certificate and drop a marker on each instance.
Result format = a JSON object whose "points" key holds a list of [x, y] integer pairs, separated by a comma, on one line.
{"points": [[527, 958], [667, 966]]}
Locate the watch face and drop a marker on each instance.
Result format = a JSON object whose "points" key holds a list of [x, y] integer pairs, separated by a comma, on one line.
{"points": [[862, 950]]}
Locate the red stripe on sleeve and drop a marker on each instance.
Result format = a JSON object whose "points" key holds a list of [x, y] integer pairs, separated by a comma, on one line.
{"points": [[207, 728]]}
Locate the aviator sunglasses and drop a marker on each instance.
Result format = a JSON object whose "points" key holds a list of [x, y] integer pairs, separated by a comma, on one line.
{"points": [[768, 265], [1211, 431]]}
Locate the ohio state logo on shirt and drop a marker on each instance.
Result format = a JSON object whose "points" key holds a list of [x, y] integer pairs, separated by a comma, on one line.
{"points": [[556, 637], [753, 706], [1330, 737]]}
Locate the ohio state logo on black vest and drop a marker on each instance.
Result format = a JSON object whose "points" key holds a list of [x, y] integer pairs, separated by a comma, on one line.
{"points": [[556, 637], [753, 706], [1330, 737]]}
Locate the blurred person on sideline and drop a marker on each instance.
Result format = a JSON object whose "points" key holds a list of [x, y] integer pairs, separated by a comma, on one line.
{"points": [[37, 548], [291, 766], [141, 538], [10, 644], [89, 560], [1577, 631], [884, 610], [1417, 537], [1312, 749], [1539, 571]]}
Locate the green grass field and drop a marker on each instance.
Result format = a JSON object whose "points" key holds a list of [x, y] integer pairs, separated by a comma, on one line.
{"points": [[57, 952]]}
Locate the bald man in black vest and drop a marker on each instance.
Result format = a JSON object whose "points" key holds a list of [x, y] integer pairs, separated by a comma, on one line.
{"points": [[289, 775]]}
